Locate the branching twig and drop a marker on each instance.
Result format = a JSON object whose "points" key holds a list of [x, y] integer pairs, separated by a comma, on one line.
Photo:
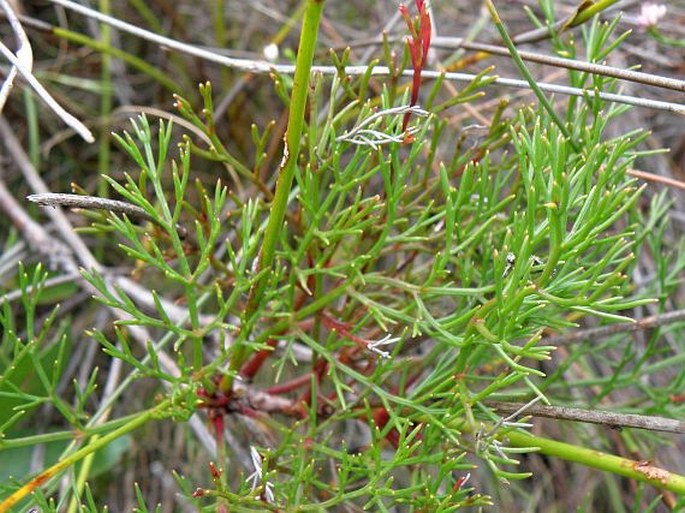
{"points": [[58, 199]]}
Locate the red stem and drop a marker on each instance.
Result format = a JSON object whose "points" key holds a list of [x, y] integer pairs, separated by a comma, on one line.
{"points": [[289, 386]]}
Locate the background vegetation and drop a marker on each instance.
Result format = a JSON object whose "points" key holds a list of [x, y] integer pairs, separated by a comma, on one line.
{"points": [[415, 277]]}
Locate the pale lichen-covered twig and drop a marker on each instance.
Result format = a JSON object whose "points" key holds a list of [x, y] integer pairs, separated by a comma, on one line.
{"points": [[58, 199]]}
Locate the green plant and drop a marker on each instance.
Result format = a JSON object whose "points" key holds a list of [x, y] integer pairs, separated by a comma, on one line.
{"points": [[359, 324]]}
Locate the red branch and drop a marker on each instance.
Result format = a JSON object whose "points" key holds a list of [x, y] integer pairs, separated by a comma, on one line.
{"points": [[418, 42]]}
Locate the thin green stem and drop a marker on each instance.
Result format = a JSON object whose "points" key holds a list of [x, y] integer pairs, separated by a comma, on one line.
{"points": [[291, 150], [105, 138], [219, 23], [147, 14], [132, 60], [44, 438], [32, 128], [663, 39], [81, 479], [220, 36], [527, 75]]}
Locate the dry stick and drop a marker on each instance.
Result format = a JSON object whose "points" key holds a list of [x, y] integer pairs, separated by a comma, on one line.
{"points": [[639, 77], [23, 53], [606, 418], [65, 116], [265, 67], [604, 331], [651, 177], [47, 284], [589, 67], [57, 199]]}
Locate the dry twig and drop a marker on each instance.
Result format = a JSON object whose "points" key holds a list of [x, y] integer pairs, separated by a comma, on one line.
{"points": [[605, 418], [265, 67], [606, 331]]}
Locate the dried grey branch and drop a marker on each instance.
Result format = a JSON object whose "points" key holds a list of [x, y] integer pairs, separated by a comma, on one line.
{"points": [[606, 418], [57, 199], [265, 67], [23, 53], [606, 331], [589, 67], [65, 116]]}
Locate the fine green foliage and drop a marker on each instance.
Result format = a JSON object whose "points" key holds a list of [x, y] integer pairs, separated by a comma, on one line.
{"points": [[355, 325]]}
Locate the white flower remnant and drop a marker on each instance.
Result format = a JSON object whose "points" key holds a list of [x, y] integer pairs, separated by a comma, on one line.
{"points": [[510, 261], [271, 52], [258, 478], [387, 340], [371, 137], [650, 14]]}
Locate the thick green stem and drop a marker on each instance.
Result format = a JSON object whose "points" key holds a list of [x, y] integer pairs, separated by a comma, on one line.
{"points": [[642, 471], [291, 150], [588, 12], [95, 444]]}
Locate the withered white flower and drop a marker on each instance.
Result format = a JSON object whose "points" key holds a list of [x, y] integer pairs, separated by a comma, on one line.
{"points": [[364, 136], [387, 340], [257, 477]]}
